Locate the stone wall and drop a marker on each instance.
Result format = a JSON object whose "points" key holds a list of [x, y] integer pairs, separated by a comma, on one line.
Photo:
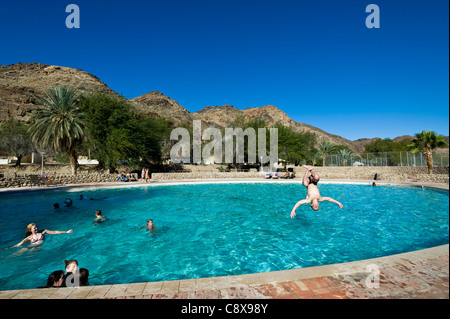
{"points": [[10, 180], [14, 177], [385, 173], [205, 175], [399, 174], [49, 169], [58, 173]]}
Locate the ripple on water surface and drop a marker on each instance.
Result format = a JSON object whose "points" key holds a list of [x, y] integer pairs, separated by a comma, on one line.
{"points": [[207, 230]]}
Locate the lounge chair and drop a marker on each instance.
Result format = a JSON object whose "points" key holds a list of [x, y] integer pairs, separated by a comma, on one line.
{"points": [[284, 175], [35, 179], [46, 181]]}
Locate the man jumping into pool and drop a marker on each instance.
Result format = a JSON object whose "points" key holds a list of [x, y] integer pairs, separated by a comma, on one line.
{"points": [[313, 194]]}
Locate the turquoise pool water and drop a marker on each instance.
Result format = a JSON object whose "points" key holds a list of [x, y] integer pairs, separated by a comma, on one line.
{"points": [[207, 230]]}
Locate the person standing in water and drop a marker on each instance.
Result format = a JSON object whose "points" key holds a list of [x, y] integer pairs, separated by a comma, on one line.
{"points": [[98, 217], [37, 238], [149, 226]]}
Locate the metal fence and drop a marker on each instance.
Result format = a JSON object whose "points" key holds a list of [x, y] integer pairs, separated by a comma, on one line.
{"points": [[386, 159]]}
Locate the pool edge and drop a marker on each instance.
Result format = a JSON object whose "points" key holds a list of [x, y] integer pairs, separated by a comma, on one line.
{"points": [[287, 282], [302, 277]]}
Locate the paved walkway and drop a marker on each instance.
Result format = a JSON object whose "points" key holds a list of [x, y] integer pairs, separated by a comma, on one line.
{"points": [[419, 274]]}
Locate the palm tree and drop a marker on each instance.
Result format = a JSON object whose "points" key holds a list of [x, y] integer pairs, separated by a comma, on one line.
{"points": [[325, 149], [345, 155], [315, 157], [58, 122], [426, 142]]}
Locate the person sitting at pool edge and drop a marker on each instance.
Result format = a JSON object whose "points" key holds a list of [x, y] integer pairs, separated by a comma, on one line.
{"points": [[313, 195]]}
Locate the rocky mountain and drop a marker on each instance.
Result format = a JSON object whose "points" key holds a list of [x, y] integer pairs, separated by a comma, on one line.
{"points": [[404, 137], [19, 83], [221, 116], [157, 104]]}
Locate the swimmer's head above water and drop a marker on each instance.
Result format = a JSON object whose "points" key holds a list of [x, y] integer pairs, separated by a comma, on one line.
{"points": [[71, 265], [31, 229]]}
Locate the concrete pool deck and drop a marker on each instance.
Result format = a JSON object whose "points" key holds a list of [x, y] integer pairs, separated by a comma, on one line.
{"points": [[412, 275]]}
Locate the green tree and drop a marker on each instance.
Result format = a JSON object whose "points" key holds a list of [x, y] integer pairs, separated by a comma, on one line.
{"points": [[116, 132], [290, 146], [345, 155], [15, 139], [315, 157], [386, 148], [254, 124], [58, 122], [325, 149], [426, 142]]}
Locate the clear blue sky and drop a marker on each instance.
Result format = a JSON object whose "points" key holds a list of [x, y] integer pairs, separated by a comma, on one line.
{"points": [[315, 60]]}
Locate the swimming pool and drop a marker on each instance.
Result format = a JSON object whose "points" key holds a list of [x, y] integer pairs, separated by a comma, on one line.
{"points": [[207, 230]]}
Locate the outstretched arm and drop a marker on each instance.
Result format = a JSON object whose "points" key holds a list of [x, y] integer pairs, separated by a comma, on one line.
{"points": [[57, 232], [329, 199], [303, 201], [22, 242]]}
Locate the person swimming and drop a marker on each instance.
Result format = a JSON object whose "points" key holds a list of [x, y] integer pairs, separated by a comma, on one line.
{"points": [[98, 217], [150, 226], [37, 238], [90, 198], [68, 202]]}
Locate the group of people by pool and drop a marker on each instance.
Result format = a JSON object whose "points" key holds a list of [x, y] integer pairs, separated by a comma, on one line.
{"points": [[128, 177], [73, 275], [146, 175]]}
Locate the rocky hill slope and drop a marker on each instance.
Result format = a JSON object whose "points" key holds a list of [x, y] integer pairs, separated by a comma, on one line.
{"points": [[223, 115], [157, 104], [19, 83]]}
